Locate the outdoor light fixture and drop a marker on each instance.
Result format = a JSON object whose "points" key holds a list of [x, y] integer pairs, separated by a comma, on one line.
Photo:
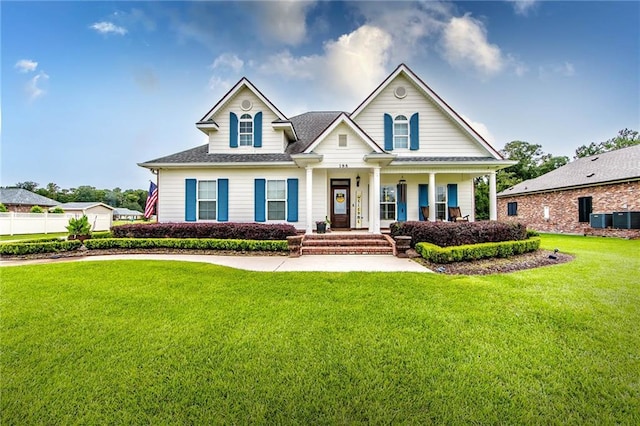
{"points": [[358, 181]]}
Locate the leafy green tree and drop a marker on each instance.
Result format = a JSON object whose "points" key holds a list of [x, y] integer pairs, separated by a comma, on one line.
{"points": [[28, 185], [36, 209], [624, 139], [3, 208]]}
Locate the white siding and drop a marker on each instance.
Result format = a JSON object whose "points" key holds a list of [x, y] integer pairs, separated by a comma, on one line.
{"points": [[439, 135], [272, 140], [349, 157], [171, 191]]}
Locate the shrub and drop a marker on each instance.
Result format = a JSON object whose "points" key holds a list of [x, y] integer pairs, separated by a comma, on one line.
{"points": [[226, 230], [436, 254], [38, 240], [101, 235], [186, 243], [22, 248], [3, 208], [36, 209], [448, 234], [79, 226], [56, 210]]}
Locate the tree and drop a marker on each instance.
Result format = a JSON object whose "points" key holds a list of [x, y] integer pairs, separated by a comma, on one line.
{"points": [[28, 185], [624, 139]]}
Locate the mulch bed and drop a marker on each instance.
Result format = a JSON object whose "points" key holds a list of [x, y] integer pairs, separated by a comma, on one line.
{"points": [[496, 265]]}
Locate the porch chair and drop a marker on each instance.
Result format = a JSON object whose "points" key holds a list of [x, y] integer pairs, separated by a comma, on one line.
{"points": [[425, 212], [456, 216]]}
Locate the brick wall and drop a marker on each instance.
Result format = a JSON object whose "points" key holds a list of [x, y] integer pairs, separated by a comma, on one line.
{"points": [[563, 206]]}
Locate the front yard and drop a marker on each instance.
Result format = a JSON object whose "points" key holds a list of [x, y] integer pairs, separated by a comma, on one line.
{"points": [[168, 342]]}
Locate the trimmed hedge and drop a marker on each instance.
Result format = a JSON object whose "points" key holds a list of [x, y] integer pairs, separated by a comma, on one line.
{"points": [[224, 230], [36, 240], [448, 234], [436, 254], [22, 248], [101, 235], [186, 243]]}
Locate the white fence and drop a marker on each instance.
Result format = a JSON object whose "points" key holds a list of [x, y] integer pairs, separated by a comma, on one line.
{"points": [[12, 223]]}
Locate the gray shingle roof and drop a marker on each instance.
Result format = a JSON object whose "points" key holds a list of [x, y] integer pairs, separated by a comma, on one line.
{"points": [[201, 155], [441, 159], [309, 126], [20, 196], [81, 205], [613, 166]]}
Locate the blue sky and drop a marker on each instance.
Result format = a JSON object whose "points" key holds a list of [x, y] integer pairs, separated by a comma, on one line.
{"points": [[89, 89]]}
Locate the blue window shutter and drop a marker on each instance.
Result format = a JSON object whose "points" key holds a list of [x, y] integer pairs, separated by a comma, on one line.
{"points": [[414, 129], [452, 195], [423, 199], [257, 130], [260, 200], [233, 130], [292, 200], [190, 200], [223, 200], [388, 133]]}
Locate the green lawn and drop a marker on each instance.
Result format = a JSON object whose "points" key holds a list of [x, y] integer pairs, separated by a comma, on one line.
{"points": [[150, 342], [32, 236]]}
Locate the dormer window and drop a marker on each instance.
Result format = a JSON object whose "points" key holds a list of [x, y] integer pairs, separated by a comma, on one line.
{"points": [[400, 132], [245, 130]]}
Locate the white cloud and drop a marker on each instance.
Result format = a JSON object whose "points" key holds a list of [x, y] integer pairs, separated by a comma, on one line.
{"points": [[229, 61], [285, 20], [465, 43], [26, 65], [565, 69], [522, 7], [33, 88], [108, 28], [481, 128], [219, 85], [350, 66]]}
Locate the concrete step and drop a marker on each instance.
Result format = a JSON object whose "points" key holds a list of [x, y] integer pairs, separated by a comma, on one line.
{"points": [[343, 236]]}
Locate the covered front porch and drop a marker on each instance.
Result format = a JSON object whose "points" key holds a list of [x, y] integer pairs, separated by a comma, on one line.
{"points": [[371, 198]]}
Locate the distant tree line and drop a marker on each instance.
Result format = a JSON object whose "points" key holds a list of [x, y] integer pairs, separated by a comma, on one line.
{"points": [[133, 199], [533, 162]]}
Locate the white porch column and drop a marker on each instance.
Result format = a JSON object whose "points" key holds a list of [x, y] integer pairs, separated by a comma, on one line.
{"points": [[375, 211], [493, 200], [432, 197], [309, 200]]}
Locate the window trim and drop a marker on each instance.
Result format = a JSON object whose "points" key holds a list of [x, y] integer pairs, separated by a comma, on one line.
{"points": [[404, 120], [198, 199], [512, 208], [244, 120], [267, 199], [444, 203], [394, 203]]}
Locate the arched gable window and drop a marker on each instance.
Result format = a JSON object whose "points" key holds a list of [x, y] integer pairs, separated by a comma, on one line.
{"points": [[400, 132], [245, 130]]}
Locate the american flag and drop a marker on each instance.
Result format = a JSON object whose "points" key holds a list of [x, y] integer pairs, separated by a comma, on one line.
{"points": [[152, 199]]}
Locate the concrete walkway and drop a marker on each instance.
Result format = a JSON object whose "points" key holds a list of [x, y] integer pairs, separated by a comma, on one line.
{"points": [[329, 263]]}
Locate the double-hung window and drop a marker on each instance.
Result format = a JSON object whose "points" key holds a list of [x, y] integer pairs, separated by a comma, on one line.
{"points": [[207, 199], [388, 202], [245, 130], [276, 199], [512, 208], [400, 132]]}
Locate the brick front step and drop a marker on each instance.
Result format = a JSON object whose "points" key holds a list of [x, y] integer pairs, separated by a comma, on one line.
{"points": [[344, 244], [346, 250]]}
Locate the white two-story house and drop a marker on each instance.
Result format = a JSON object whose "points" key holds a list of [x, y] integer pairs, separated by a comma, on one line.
{"points": [[401, 149]]}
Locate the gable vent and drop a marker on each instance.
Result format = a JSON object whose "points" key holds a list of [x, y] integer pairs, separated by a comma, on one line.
{"points": [[400, 92], [246, 105]]}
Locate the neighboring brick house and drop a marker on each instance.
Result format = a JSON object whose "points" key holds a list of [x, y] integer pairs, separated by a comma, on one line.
{"points": [[563, 199], [20, 200]]}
